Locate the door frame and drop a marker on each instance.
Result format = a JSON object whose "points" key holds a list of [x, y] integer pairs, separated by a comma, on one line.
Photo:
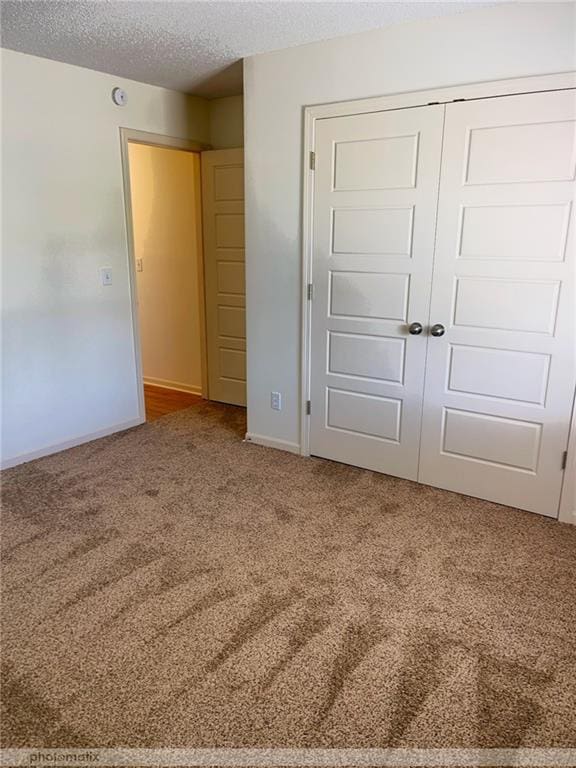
{"points": [[131, 136], [405, 100]]}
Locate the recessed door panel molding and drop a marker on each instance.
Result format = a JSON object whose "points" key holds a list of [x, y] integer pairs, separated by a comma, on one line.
{"points": [[510, 154], [233, 364], [386, 231], [500, 380], [518, 232], [231, 322], [523, 376], [506, 305], [387, 162], [366, 357], [365, 415], [228, 183], [231, 278], [229, 230], [492, 439], [369, 295], [223, 214], [375, 196]]}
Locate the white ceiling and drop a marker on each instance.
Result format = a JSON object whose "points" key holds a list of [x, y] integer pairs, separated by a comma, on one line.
{"points": [[190, 45]]}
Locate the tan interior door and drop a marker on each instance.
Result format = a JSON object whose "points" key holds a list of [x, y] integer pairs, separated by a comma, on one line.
{"points": [[223, 215]]}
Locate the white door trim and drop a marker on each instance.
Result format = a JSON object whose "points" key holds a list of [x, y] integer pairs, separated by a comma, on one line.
{"points": [[568, 497], [129, 135], [485, 90]]}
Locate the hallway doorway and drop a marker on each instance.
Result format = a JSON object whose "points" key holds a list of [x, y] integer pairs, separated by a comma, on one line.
{"points": [[185, 215], [165, 186]]}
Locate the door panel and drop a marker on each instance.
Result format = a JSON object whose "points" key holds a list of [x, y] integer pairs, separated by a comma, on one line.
{"points": [[510, 153], [504, 304], [367, 295], [525, 232], [522, 376], [388, 162], [370, 415], [223, 214], [375, 196], [368, 357], [384, 231], [500, 382]]}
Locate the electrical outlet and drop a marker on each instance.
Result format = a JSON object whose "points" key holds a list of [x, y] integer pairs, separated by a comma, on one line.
{"points": [[106, 275], [276, 401]]}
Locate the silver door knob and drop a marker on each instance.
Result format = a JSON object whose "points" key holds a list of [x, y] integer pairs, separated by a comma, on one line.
{"points": [[438, 330], [415, 328]]}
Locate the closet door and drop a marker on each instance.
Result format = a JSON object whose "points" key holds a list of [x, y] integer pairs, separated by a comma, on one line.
{"points": [[375, 196], [500, 380]]}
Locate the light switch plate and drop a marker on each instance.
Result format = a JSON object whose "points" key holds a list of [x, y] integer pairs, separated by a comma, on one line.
{"points": [[106, 275]]}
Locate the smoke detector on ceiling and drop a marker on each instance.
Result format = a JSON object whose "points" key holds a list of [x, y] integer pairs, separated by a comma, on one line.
{"points": [[119, 97]]}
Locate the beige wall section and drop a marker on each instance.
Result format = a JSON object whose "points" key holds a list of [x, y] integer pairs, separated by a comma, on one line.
{"points": [[227, 122], [167, 226], [69, 369], [509, 40]]}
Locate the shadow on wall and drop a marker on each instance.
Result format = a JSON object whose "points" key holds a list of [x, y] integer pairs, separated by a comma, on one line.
{"points": [[226, 82], [61, 326]]}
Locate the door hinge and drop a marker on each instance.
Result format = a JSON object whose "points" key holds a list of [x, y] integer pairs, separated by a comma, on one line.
{"points": [[312, 161], [564, 459], [308, 407], [310, 293]]}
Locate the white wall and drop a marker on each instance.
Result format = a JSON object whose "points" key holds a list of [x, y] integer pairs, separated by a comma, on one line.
{"points": [[167, 225], [68, 358], [497, 43], [226, 122]]}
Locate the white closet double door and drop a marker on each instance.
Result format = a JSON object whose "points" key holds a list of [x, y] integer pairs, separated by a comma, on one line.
{"points": [[458, 218]]}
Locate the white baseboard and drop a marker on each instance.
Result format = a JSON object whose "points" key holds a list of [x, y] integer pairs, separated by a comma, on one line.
{"points": [[270, 442], [72, 443], [567, 516], [165, 384]]}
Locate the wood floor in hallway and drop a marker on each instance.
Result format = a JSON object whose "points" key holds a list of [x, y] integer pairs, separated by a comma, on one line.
{"points": [[160, 401]]}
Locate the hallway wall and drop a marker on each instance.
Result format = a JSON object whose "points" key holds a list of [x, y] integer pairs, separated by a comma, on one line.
{"points": [[167, 220], [226, 116]]}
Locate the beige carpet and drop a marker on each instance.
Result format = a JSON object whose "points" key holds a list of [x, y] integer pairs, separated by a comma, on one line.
{"points": [[173, 586]]}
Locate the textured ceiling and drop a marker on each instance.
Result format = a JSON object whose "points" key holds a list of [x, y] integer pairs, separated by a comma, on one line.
{"points": [[190, 46]]}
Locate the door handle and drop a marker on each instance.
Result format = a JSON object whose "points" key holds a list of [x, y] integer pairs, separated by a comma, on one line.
{"points": [[438, 330], [415, 328]]}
